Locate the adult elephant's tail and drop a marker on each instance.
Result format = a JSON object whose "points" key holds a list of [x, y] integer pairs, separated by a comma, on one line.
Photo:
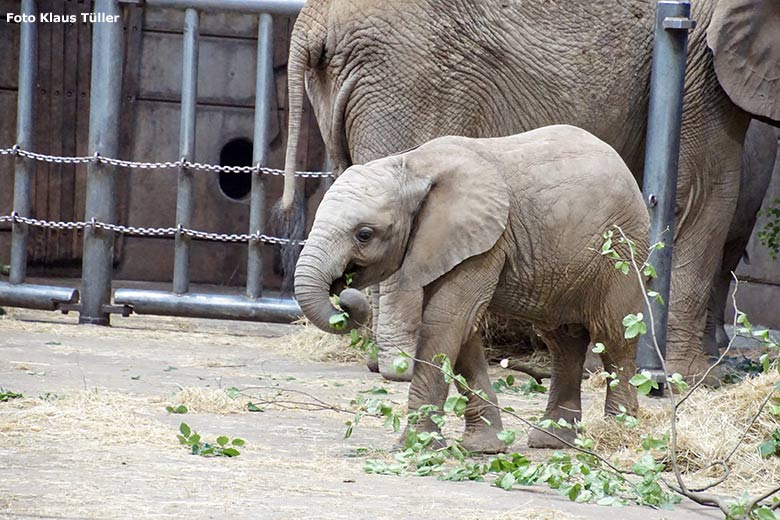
{"points": [[306, 44]]}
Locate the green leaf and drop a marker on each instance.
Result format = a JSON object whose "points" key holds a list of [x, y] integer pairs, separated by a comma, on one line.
{"points": [[643, 382], [456, 403], [507, 436], [184, 429], [400, 365], [506, 481], [677, 381], [222, 440], [375, 391], [649, 271], [354, 338], [634, 325], [338, 321], [238, 442], [231, 452], [253, 407], [764, 360], [622, 266], [232, 392], [657, 296], [598, 348], [765, 513], [178, 409]]}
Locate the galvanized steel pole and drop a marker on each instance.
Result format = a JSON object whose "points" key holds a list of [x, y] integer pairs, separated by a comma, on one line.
{"points": [[104, 105], [662, 152], [189, 100], [263, 92], [28, 64]]}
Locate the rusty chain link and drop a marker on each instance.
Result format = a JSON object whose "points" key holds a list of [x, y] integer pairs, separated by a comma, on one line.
{"points": [[15, 150], [150, 232]]}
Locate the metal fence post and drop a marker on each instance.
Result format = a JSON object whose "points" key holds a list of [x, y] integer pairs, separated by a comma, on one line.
{"points": [[104, 104], [28, 65], [662, 152], [263, 92], [189, 100]]}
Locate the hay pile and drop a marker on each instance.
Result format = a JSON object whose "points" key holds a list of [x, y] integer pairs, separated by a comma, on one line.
{"points": [[316, 345], [88, 416], [710, 423]]}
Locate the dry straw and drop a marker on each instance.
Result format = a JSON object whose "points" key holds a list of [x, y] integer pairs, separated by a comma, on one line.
{"points": [[710, 424]]}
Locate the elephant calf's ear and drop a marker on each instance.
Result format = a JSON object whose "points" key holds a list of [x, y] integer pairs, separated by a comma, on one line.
{"points": [[463, 214], [744, 36]]}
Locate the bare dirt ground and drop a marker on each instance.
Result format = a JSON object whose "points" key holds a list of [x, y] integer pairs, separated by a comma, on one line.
{"points": [[91, 437]]}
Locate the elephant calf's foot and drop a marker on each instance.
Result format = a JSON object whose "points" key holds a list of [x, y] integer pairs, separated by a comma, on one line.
{"points": [[484, 440], [543, 439]]}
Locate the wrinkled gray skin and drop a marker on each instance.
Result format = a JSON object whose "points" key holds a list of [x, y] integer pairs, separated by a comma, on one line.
{"points": [[512, 225], [384, 77], [758, 162]]}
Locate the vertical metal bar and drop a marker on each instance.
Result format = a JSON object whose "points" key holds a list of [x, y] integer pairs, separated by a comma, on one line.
{"points": [[28, 65], [662, 152], [189, 99], [263, 92], [104, 103]]}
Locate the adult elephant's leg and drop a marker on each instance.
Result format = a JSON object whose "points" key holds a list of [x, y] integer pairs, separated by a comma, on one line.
{"points": [[398, 327], [708, 185], [372, 362], [483, 418], [758, 161], [713, 328], [567, 345]]}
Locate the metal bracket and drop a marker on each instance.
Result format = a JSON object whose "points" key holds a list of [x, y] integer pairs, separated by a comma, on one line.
{"points": [[679, 23], [124, 310]]}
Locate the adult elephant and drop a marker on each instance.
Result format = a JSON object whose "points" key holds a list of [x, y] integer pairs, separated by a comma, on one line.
{"points": [[386, 76]]}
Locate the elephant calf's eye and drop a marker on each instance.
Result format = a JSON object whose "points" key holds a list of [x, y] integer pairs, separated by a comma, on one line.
{"points": [[364, 234]]}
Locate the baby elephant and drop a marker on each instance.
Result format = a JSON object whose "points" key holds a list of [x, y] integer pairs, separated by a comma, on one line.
{"points": [[510, 224]]}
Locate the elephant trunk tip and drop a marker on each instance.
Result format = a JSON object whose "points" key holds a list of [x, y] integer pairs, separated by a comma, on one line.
{"points": [[356, 305]]}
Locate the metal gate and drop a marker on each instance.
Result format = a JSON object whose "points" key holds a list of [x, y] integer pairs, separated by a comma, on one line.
{"points": [[94, 299]]}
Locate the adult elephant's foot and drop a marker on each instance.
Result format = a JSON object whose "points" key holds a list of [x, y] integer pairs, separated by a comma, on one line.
{"points": [[541, 438], [484, 440], [693, 366], [372, 364]]}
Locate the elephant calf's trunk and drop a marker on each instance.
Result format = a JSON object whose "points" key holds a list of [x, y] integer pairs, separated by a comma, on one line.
{"points": [[313, 294]]}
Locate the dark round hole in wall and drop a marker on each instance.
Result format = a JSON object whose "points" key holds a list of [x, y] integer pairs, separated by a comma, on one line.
{"points": [[237, 152]]}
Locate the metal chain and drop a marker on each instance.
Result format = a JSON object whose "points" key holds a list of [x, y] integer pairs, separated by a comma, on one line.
{"points": [[15, 150], [150, 232]]}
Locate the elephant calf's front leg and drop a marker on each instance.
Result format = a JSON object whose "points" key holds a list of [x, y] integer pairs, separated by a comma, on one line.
{"points": [[455, 304], [568, 345], [397, 328], [483, 417]]}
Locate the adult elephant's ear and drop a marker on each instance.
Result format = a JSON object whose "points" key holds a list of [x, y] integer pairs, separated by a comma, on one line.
{"points": [[744, 36], [463, 208]]}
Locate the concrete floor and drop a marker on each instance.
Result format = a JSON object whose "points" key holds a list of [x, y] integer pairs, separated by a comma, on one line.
{"points": [[108, 449]]}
